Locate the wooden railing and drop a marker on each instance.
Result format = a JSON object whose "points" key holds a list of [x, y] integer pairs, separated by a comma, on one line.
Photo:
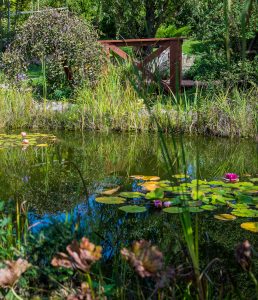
{"points": [[173, 83]]}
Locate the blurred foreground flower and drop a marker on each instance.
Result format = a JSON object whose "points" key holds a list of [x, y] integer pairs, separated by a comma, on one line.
{"points": [[80, 256], [85, 293], [146, 259], [12, 272], [231, 177], [244, 255]]}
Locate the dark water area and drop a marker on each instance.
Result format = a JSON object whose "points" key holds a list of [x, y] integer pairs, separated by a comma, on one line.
{"points": [[60, 183]]}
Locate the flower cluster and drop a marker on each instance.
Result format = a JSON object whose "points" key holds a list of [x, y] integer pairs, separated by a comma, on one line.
{"points": [[160, 204]]}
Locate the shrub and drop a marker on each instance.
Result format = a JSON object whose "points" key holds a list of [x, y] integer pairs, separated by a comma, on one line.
{"points": [[65, 45]]}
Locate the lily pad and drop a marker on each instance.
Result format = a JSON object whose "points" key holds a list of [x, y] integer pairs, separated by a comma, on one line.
{"points": [[209, 207], [225, 217], [156, 194], [194, 209], [145, 178], [173, 210], [132, 209], [180, 176], [42, 145], [250, 226], [245, 212], [131, 195], [110, 200], [150, 186], [111, 191]]}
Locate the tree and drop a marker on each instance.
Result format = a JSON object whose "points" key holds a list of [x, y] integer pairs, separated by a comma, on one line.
{"points": [[66, 46]]}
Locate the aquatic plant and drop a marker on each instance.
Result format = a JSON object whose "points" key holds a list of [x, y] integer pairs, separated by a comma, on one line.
{"points": [[145, 258], [80, 256], [231, 177], [12, 272]]}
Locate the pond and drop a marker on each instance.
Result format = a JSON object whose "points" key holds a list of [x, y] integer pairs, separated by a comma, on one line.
{"points": [[73, 177]]}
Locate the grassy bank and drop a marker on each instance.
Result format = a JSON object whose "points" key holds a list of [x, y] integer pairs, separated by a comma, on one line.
{"points": [[113, 104]]}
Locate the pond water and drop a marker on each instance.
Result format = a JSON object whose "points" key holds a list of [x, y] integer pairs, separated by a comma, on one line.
{"points": [[61, 181]]}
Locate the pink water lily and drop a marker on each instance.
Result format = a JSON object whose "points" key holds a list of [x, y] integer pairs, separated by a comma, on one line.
{"points": [[158, 203], [23, 134], [167, 204], [231, 177]]}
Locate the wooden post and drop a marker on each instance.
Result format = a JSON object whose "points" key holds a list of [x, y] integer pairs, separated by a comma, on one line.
{"points": [[175, 57]]}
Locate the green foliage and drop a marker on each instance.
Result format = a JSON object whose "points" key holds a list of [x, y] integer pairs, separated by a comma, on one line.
{"points": [[172, 31], [63, 44]]}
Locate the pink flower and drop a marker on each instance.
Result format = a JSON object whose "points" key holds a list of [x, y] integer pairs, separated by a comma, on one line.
{"points": [[25, 141], [23, 134], [231, 177], [167, 204], [158, 203]]}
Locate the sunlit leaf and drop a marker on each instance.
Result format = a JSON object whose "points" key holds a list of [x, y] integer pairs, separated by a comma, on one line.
{"points": [[250, 226], [180, 176], [209, 207], [173, 210], [245, 212], [150, 186], [156, 194], [131, 195], [111, 191], [145, 178], [132, 209], [110, 200], [225, 217]]}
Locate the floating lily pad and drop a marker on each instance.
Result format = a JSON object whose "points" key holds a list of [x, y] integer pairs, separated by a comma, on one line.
{"points": [[150, 186], [173, 210], [42, 145], [197, 194], [145, 178], [209, 207], [216, 182], [194, 203], [180, 176], [132, 209], [156, 194], [254, 179], [250, 226], [225, 217], [194, 209], [131, 195], [176, 190], [110, 200], [245, 212], [111, 191]]}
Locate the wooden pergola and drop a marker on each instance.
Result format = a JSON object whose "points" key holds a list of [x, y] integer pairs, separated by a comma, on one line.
{"points": [[174, 82]]}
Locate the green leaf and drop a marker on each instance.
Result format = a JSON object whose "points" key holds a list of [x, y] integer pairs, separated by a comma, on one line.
{"points": [[173, 210], [132, 209], [131, 195], [156, 194], [110, 200], [245, 212], [209, 207]]}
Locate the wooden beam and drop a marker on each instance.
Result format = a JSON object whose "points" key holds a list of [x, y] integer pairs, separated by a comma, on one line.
{"points": [[154, 42], [175, 59], [155, 54], [119, 52]]}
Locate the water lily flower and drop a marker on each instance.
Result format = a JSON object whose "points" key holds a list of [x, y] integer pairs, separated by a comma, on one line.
{"points": [[80, 256], [231, 177], [23, 133], [158, 203], [167, 204], [12, 272], [25, 141], [145, 258], [244, 255]]}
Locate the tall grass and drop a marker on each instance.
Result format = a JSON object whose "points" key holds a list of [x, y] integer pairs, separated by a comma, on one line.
{"points": [[113, 104]]}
